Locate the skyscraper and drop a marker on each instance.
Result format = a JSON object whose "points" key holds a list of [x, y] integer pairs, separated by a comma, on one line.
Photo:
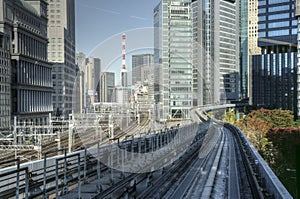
{"points": [[249, 45], [216, 51], [107, 86], [141, 63], [275, 69], [92, 71], [81, 63], [23, 28], [61, 49], [173, 58], [196, 54]]}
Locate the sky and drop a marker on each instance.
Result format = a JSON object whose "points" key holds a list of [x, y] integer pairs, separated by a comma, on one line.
{"points": [[100, 24], [98, 20]]}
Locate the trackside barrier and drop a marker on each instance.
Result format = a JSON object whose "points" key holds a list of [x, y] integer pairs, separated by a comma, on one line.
{"points": [[270, 181]]}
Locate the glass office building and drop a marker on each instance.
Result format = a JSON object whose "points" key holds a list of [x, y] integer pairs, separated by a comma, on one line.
{"points": [[216, 51], [173, 58], [274, 71]]}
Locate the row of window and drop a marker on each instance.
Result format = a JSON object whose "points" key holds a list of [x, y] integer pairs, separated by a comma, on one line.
{"points": [[277, 24], [35, 74], [275, 33], [274, 17], [22, 16], [264, 2], [31, 47], [34, 101]]}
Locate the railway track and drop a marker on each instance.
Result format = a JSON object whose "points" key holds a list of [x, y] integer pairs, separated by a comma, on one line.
{"points": [[214, 165], [82, 138], [222, 173]]}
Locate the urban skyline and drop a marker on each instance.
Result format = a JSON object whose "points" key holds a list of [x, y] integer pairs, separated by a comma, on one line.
{"points": [[123, 16], [199, 58], [114, 100]]}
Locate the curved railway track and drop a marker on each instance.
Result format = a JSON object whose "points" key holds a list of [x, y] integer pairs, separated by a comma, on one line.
{"points": [[213, 165]]}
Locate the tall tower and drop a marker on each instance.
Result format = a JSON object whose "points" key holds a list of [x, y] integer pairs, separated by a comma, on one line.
{"points": [[61, 51], [124, 71], [122, 95], [172, 58]]}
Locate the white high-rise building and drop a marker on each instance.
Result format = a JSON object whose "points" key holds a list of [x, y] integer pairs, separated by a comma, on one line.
{"points": [[216, 51], [173, 58], [196, 55]]}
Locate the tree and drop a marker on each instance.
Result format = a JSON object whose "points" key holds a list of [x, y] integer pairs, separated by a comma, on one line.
{"points": [[230, 116]]}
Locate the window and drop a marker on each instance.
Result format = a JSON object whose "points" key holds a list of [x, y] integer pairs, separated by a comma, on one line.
{"points": [[278, 33], [261, 18], [262, 26], [261, 3], [278, 24], [277, 1], [279, 8], [279, 16]]}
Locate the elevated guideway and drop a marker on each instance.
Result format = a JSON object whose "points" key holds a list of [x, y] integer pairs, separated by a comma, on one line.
{"points": [[203, 159]]}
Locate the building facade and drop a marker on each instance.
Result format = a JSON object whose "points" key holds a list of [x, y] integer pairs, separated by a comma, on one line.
{"points": [[297, 15], [5, 88], [92, 71], [248, 43], [196, 55], [61, 49], [173, 58], [140, 63], [107, 87], [274, 71], [24, 22], [216, 51], [80, 77]]}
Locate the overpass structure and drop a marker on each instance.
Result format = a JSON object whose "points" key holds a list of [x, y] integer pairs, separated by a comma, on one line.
{"points": [[203, 159]]}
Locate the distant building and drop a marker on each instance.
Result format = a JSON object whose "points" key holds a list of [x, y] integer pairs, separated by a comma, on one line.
{"points": [[147, 74], [23, 27], [107, 86], [92, 71], [274, 71], [61, 49], [140, 64], [77, 92], [122, 95], [80, 77], [142, 98]]}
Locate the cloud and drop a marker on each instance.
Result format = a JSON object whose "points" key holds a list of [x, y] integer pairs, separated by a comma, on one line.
{"points": [[141, 18]]}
